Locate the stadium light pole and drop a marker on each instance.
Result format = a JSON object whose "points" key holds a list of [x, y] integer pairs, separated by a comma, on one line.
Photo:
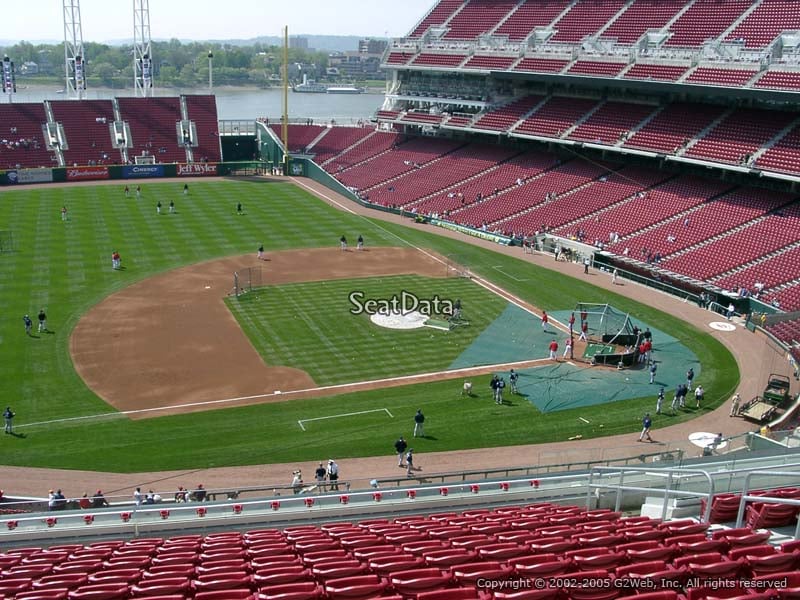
{"points": [[9, 78], [74, 57], [210, 71]]}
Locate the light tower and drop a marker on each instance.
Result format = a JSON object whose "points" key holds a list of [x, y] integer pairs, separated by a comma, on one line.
{"points": [[210, 71], [142, 51], [74, 58], [9, 78]]}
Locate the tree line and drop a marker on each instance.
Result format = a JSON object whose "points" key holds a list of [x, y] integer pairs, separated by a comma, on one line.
{"points": [[176, 64]]}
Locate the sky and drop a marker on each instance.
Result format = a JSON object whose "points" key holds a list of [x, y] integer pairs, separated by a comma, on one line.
{"points": [[106, 20]]}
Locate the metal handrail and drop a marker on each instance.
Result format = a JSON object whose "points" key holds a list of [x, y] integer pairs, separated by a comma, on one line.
{"points": [[766, 499], [668, 492]]}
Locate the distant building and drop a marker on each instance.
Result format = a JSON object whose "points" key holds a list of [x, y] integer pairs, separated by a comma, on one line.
{"points": [[301, 43], [355, 63], [370, 46], [29, 68]]}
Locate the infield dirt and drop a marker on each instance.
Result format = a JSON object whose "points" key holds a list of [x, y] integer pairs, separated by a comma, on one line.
{"points": [[169, 340]]}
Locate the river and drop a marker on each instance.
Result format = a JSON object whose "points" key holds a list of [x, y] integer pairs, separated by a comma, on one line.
{"points": [[246, 103]]}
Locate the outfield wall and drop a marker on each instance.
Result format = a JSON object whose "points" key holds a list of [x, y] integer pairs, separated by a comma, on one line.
{"points": [[12, 177]]}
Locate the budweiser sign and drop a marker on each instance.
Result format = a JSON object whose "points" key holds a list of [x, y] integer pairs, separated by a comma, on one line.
{"points": [[84, 173], [197, 169]]}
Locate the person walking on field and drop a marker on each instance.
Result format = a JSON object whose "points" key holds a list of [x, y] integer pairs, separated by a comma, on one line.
{"points": [[410, 462], [28, 324], [400, 447], [8, 416], [158, 207], [545, 319], [513, 377], [42, 321], [185, 189], [333, 474], [660, 401], [343, 243], [584, 331], [567, 348], [647, 423], [735, 401], [553, 350], [360, 244], [419, 424], [63, 213], [171, 207], [653, 369]]}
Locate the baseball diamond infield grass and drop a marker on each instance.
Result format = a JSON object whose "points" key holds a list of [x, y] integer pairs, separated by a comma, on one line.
{"points": [[65, 268], [309, 326]]}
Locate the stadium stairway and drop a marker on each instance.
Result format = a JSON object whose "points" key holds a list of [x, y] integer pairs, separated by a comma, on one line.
{"points": [[704, 132]]}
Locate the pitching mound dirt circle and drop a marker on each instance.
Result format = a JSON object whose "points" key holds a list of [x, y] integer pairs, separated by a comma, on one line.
{"points": [[170, 341]]}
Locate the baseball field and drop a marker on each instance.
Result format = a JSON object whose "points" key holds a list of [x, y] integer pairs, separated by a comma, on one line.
{"points": [[156, 366]]}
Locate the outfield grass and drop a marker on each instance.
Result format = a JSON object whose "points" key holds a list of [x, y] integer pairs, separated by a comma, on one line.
{"points": [[309, 326], [65, 268]]}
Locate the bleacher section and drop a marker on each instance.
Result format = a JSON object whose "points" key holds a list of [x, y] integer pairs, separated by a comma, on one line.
{"points": [[585, 18], [541, 65], [337, 140], [769, 18], [300, 136], [21, 138], [655, 72], [506, 116], [438, 15], [726, 77], [705, 19], [406, 157], [675, 126], [439, 556], [555, 117], [597, 68], [771, 234], [529, 15], [478, 17], [153, 127], [202, 109], [87, 128], [641, 16], [611, 122]]}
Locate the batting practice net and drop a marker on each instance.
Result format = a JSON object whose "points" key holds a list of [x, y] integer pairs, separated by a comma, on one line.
{"points": [[246, 280], [610, 331], [457, 266]]}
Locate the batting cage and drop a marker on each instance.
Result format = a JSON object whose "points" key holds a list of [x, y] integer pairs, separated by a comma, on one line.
{"points": [[246, 280], [610, 333]]}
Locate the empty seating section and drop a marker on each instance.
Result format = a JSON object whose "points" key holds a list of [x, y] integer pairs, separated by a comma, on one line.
{"points": [[596, 68], [766, 22], [506, 116], [519, 168], [421, 117], [705, 19], [641, 16], [153, 127], [611, 122], [655, 72], [457, 166], [452, 557], [675, 125], [728, 252], [202, 109], [87, 127], [493, 63], [726, 77], [21, 138], [740, 134], [779, 80], [404, 158], [440, 13], [556, 116], [658, 204], [777, 270], [789, 297], [372, 146], [399, 58], [787, 331], [541, 65], [784, 155], [432, 59], [531, 193], [587, 200], [529, 15], [478, 17], [585, 18], [300, 136], [708, 220], [458, 121], [337, 140]]}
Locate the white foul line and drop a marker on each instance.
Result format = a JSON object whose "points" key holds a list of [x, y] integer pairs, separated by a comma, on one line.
{"points": [[361, 412]]}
